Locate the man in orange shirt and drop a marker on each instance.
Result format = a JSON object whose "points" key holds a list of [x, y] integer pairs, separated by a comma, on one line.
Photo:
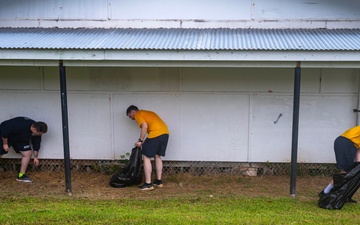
{"points": [[347, 151], [154, 146]]}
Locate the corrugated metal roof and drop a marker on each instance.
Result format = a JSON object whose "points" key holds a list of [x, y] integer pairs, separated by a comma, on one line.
{"points": [[180, 39]]}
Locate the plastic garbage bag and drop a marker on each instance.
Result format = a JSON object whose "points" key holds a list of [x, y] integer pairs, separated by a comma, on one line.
{"points": [[345, 186], [131, 174]]}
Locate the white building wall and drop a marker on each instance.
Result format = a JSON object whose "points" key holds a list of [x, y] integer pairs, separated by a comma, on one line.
{"points": [[181, 13], [214, 114]]}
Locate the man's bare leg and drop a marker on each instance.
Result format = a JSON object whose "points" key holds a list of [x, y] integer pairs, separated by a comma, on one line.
{"points": [[25, 161], [158, 166], [147, 169]]}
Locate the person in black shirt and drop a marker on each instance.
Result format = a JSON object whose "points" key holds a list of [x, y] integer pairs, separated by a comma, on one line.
{"points": [[24, 135]]}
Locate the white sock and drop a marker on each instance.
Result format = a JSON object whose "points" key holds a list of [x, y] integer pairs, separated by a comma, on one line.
{"points": [[328, 188]]}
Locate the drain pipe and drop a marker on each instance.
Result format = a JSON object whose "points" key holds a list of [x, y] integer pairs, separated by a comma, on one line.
{"points": [[65, 125], [295, 130], [357, 110]]}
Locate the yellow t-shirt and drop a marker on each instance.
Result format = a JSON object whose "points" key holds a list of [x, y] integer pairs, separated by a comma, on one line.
{"points": [[156, 126], [353, 134]]}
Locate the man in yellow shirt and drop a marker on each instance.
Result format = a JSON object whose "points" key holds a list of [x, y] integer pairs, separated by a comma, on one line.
{"points": [[347, 151], [154, 146]]}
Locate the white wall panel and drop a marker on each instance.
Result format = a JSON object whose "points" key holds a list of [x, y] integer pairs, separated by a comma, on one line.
{"points": [[340, 80], [58, 9], [303, 9], [182, 9], [271, 128], [30, 9], [26, 78], [114, 79], [310, 80], [322, 119], [248, 80], [214, 127], [90, 126]]}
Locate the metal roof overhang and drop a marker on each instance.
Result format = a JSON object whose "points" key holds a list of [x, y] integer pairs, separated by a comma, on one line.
{"points": [[166, 58], [314, 48]]}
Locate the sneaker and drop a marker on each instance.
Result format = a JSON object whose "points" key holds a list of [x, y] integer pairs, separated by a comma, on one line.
{"points": [[158, 183], [321, 194], [352, 201], [24, 178], [146, 187]]}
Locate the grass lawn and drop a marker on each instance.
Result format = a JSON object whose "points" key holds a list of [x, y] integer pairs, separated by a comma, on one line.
{"points": [[183, 200]]}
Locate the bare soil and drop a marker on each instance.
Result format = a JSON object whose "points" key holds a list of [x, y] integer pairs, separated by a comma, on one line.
{"points": [[95, 186]]}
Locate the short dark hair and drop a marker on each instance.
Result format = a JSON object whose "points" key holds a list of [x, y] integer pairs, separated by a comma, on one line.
{"points": [[40, 127], [132, 107]]}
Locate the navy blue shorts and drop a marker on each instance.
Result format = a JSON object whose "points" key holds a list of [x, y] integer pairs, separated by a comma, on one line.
{"points": [[17, 146], [345, 153], [155, 146]]}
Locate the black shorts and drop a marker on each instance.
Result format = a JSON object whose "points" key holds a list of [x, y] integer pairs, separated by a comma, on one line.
{"points": [[155, 146], [345, 153], [17, 146]]}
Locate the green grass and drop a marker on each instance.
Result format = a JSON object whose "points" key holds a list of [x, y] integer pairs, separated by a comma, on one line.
{"points": [[200, 209]]}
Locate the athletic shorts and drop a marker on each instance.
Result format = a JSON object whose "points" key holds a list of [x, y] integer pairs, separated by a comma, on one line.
{"points": [[17, 146], [155, 146], [345, 153]]}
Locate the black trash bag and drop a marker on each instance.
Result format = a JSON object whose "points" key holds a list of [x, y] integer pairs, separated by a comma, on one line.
{"points": [[132, 174], [345, 186]]}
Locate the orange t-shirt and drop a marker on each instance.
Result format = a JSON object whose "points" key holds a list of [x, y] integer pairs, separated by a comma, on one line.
{"points": [[353, 134], [156, 126]]}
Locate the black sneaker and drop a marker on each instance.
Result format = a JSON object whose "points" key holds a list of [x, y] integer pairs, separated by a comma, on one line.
{"points": [[352, 201], [24, 178], [146, 187], [158, 183], [321, 194]]}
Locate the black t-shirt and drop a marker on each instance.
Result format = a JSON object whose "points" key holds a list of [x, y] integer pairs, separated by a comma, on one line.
{"points": [[18, 130]]}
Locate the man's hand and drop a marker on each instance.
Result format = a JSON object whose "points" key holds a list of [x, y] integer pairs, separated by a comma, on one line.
{"points": [[138, 144], [36, 161], [6, 147]]}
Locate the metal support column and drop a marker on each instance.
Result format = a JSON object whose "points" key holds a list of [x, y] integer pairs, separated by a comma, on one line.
{"points": [[357, 110], [65, 127], [295, 129]]}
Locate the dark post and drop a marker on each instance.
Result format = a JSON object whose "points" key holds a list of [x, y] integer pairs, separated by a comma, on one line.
{"points": [[65, 127], [295, 130]]}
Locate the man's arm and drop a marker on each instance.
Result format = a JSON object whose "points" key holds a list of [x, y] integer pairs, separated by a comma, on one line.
{"points": [[357, 158], [36, 159], [36, 140], [5, 144], [143, 132]]}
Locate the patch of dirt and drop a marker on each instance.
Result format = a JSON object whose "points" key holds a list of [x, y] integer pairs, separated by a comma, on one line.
{"points": [[95, 186]]}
